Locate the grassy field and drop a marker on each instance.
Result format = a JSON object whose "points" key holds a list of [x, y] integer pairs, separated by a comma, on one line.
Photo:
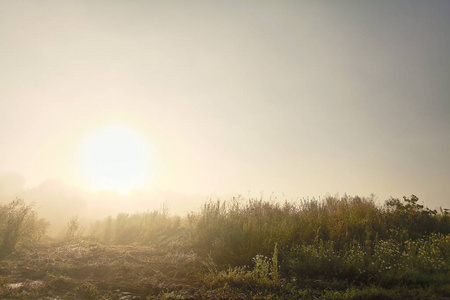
{"points": [[336, 248]]}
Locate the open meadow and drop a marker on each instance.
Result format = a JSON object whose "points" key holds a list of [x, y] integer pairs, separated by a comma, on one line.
{"points": [[336, 248], [123, 122]]}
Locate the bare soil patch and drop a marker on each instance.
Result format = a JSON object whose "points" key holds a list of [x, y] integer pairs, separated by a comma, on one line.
{"points": [[90, 270]]}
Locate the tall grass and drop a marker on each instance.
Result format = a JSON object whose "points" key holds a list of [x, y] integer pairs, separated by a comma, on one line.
{"points": [[19, 226], [352, 239], [349, 239], [281, 248], [157, 228], [234, 232]]}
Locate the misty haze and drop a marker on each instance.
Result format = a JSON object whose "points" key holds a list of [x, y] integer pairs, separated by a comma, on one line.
{"points": [[224, 150]]}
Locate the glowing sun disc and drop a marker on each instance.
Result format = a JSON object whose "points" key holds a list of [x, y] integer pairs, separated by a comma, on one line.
{"points": [[115, 158]]}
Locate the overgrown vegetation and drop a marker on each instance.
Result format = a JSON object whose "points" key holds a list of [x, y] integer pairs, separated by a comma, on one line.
{"points": [[19, 227], [148, 228], [337, 248]]}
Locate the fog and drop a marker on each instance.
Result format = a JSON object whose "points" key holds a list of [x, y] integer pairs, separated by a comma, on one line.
{"points": [[58, 203], [295, 98]]}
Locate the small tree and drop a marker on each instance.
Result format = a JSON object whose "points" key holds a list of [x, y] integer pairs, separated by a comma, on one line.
{"points": [[413, 217]]}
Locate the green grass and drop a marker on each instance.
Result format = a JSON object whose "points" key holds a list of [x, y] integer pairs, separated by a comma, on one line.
{"points": [[338, 248]]}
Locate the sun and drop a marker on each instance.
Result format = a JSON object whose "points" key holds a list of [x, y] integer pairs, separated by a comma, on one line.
{"points": [[115, 158]]}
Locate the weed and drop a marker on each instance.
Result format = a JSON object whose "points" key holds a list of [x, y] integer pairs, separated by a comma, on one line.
{"points": [[88, 292], [19, 226], [338, 248]]}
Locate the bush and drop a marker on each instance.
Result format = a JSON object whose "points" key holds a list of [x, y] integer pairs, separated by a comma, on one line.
{"points": [[414, 218], [19, 226], [390, 262], [74, 229]]}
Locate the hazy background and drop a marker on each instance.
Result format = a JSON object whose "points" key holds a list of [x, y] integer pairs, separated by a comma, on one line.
{"points": [[295, 98]]}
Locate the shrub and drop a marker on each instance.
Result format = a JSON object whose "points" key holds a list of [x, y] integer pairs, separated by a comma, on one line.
{"points": [[318, 259], [74, 229], [263, 277], [414, 218], [19, 226]]}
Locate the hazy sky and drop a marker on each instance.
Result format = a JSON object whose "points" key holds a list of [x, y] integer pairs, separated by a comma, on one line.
{"points": [[295, 98]]}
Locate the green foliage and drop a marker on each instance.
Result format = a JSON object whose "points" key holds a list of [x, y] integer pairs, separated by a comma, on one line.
{"points": [[338, 248], [88, 292], [263, 281], [264, 277], [19, 226], [414, 218], [266, 268], [318, 259], [166, 296], [234, 232], [390, 262], [268, 247]]}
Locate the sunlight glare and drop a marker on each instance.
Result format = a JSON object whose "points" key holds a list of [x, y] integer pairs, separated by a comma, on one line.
{"points": [[115, 158]]}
